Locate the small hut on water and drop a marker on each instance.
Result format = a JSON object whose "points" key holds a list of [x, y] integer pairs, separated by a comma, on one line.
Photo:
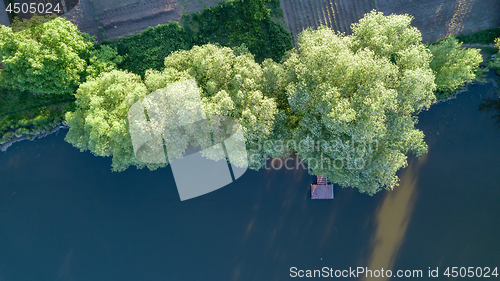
{"points": [[322, 190]]}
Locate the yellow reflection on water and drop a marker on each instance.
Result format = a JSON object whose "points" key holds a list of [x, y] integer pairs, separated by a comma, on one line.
{"points": [[392, 218], [274, 169]]}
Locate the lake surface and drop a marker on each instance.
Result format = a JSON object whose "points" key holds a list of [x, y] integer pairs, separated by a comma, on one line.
{"points": [[65, 216]]}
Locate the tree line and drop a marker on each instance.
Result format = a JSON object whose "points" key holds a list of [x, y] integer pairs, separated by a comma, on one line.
{"points": [[367, 87]]}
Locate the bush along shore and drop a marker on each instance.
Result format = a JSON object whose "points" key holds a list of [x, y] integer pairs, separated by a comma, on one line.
{"points": [[26, 115], [489, 53], [29, 111], [4, 145]]}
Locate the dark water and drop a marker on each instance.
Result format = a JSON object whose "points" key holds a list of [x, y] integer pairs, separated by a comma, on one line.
{"points": [[65, 216]]}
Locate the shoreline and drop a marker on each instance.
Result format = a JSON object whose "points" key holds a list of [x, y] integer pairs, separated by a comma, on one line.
{"points": [[452, 97], [465, 88], [38, 135], [61, 125]]}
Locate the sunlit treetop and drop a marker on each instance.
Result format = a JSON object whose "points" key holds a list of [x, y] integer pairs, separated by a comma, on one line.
{"points": [[43, 59], [365, 88]]}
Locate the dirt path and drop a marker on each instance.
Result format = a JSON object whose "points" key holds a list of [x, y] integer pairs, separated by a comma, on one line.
{"points": [[478, 46]]}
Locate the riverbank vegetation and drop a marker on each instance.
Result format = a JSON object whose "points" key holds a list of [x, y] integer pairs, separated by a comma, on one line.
{"points": [[44, 59], [384, 85], [453, 65], [486, 36], [231, 85], [367, 87], [229, 24], [495, 62], [20, 113], [42, 67], [493, 104], [373, 108], [457, 59]]}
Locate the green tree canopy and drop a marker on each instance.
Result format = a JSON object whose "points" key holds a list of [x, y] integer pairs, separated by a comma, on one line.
{"points": [[100, 122], [102, 58], [232, 23], [453, 65], [347, 104], [45, 58], [495, 63], [356, 98], [230, 85]]}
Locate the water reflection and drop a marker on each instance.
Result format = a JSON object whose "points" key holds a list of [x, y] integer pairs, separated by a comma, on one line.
{"points": [[392, 218], [65, 270], [71, 216], [492, 105]]}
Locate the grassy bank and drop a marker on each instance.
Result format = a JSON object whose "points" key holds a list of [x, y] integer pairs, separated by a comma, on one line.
{"points": [[20, 113], [486, 36], [484, 40], [248, 22], [228, 24]]}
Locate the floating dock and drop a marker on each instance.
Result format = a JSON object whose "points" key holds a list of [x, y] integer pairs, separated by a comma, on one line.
{"points": [[322, 190]]}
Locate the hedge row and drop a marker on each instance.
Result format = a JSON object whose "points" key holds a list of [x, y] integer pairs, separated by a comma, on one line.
{"points": [[228, 24]]}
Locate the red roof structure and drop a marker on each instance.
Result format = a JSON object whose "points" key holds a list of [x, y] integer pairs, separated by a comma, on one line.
{"points": [[322, 190]]}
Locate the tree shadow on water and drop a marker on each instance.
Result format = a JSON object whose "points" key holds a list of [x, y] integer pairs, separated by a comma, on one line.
{"points": [[493, 105]]}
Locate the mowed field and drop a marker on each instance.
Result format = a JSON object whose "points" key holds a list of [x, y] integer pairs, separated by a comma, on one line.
{"points": [[436, 19], [336, 14], [108, 19]]}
